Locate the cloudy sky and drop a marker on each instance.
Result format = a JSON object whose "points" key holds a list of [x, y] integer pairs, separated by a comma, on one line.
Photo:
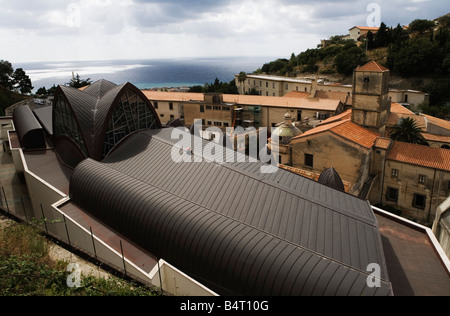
{"points": [[59, 30]]}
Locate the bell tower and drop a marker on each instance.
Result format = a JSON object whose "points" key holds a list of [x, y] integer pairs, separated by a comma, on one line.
{"points": [[371, 104]]}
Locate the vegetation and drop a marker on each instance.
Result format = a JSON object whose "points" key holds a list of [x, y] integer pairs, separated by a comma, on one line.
{"points": [[77, 82], [408, 131], [26, 269], [15, 85], [217, 86], [422, 50]]}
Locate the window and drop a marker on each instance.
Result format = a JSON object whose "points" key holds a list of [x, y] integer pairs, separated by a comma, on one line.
{"points": [[267, 93], [394, 173], [309, 160], [267, 84], [392, 194], [419, 201], [226, 108], [209, 123], [131, 114], [155, 105], [226, 124], [216, 108], [422, 179], [217, 124], [273, 85], [202, 108], [172, 117], [162, 115], [287, 87], [65, 123], [209, 107], [170, 106]]}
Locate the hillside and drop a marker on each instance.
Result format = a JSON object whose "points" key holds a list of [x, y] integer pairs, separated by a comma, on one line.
{"points": [[383, 46], [418, 56]]}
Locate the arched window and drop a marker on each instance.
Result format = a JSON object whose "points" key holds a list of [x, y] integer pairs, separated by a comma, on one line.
{"points": [[64, 123], [131, 115]]}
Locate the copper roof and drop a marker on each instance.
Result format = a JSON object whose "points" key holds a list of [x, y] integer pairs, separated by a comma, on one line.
{"points": [[420, 155]]}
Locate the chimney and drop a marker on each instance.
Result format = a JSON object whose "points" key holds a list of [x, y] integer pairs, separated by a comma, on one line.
{"points": [[312, 94]]}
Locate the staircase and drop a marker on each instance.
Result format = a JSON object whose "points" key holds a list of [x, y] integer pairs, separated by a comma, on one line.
{"points": [[366, 187]]}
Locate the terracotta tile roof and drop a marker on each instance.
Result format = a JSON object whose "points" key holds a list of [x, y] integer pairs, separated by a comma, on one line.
{"points": [[436, 138], [172, 96], [297, 94], [383, 142], [430, 157], [437, 121], [303, 103], [394, 118], [372, 66], [348, 130], [400, 109], [336, 95], [366, 28], [340, 117]]}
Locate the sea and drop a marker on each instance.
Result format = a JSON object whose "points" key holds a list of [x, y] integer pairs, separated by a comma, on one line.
{"points": [[144, 74]]}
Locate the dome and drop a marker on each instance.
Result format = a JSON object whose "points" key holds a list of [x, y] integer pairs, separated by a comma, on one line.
{"points": [[331, 178], [286, 131]]}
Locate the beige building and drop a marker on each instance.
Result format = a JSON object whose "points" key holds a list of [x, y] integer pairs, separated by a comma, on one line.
{"points": [[357, 32], [241, 110], [169, 105], [267, 85], [412, 179]]}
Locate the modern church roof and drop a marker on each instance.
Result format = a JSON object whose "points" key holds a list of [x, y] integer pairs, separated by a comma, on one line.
{"points": [[96, 119], [231, 227]]}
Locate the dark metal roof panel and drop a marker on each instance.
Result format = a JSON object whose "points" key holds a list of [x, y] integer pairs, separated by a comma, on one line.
{"points": [[28, 129], [180, 210], [44, 116], [211, 186], [99, 88]]}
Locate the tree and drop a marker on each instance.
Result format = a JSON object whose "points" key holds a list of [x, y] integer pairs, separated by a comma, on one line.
{"points": [[407, 130], [382, 37], [370, 40], [21, 81], [77, 82], [42, 91], [420, 26], [6, 72], [242, 77], [349, 58]]}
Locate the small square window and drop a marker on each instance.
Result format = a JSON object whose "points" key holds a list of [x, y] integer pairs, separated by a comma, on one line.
{"points": [[422, 179], [392, 194], [419, 201], [394, 173], [309, 160]]}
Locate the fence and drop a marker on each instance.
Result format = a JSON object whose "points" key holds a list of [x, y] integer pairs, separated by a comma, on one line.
{"points": [[58, 225]]}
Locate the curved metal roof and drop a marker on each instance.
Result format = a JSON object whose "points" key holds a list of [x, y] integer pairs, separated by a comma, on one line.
{"points": [[93, 108], [231, 227], [28, 129], [331, 178]]}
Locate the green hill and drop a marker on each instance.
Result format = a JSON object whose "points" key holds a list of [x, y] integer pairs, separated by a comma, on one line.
{"points": [[8, 98]]}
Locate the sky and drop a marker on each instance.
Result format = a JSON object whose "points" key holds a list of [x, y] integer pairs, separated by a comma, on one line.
{"points": [[60, 30]]}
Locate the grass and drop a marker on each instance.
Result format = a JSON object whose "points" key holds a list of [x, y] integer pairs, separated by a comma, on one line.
{"points": [[26, 269]]}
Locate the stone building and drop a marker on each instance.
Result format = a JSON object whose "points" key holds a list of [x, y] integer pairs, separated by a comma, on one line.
{"points": [[413, 179]]}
